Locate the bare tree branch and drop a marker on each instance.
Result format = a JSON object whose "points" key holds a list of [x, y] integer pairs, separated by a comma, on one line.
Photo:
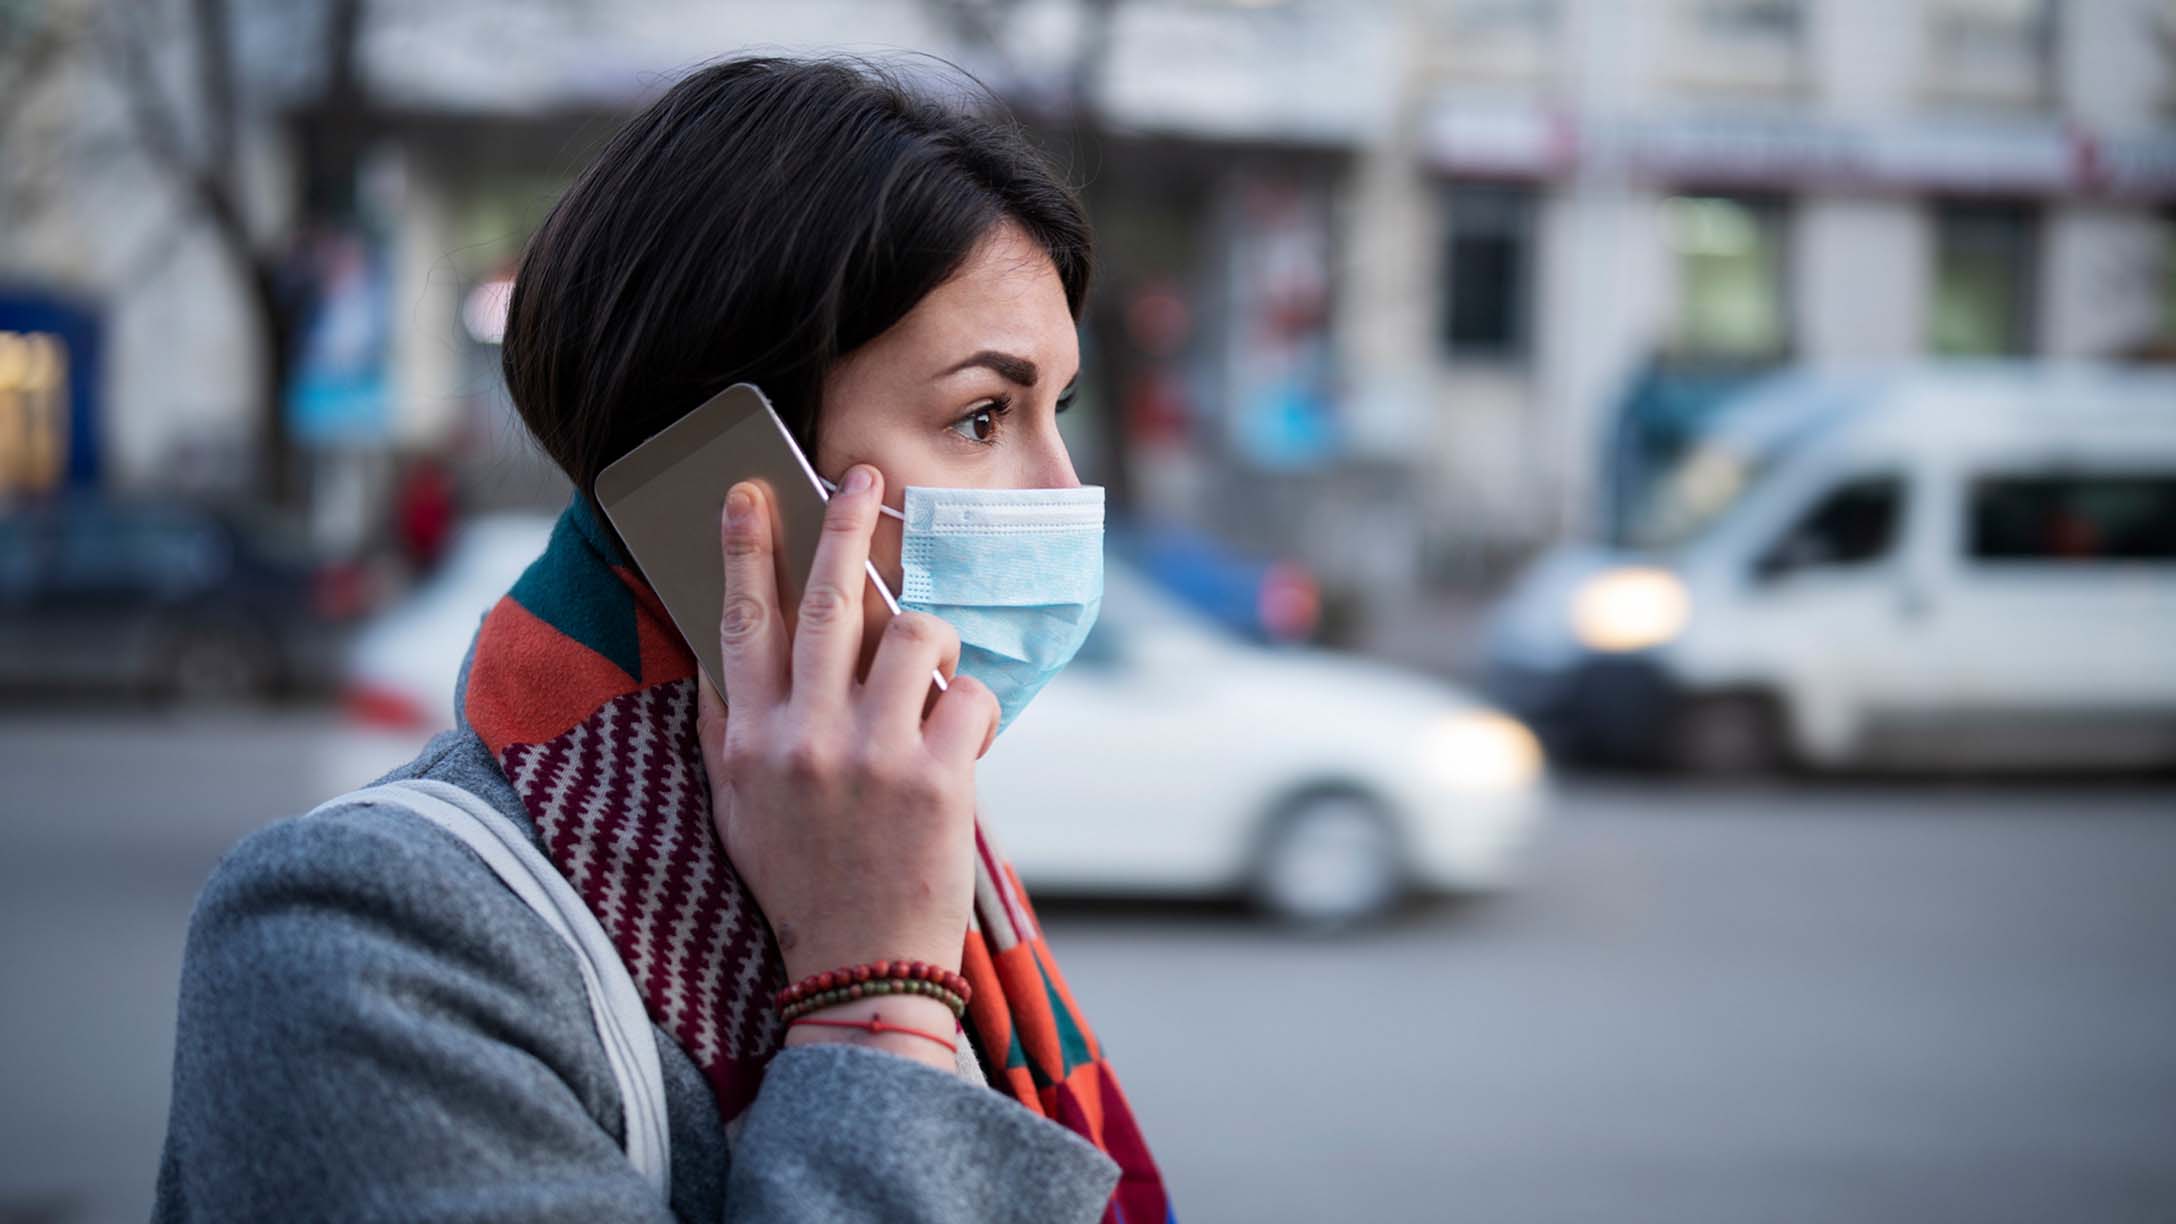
{"points": [[215, 80]]}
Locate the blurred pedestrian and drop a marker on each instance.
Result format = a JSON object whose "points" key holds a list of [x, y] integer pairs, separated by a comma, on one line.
{"points": [[853, 1012], [423, 513]]}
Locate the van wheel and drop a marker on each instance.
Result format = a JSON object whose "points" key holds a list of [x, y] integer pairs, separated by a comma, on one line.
{"points": [[1328, 860], [1731, 736]]}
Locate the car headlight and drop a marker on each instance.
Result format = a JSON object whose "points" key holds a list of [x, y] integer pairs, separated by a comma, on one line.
{"points": [[1629, 609], [1482, 750]]}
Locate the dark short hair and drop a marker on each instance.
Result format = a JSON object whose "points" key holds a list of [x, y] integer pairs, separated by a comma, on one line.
{"points": [[764, 218]]}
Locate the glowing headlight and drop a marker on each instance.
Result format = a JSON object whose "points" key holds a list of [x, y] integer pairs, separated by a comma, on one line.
{"points": [[1629, 609], [1481, 750]]}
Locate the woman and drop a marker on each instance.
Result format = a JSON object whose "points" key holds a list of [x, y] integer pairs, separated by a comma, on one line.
{"points": [[374, 1026]]}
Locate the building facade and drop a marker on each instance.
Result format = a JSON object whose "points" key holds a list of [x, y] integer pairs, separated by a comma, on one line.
{"points": [[1389, 277]]}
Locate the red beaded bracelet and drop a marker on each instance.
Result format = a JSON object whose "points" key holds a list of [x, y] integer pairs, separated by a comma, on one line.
{"points": [[901, 970], [873, 988], [875, 1024]]}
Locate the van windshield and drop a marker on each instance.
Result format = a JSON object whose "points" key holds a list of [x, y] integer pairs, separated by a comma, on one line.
{"points": [[1752, 435], [1693, 495]]}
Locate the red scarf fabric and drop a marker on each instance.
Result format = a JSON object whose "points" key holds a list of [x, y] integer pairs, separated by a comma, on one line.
{"points": [[585, 696]]}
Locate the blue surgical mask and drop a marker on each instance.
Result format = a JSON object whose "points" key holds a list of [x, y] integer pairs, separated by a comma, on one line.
{"points": [[1017, 572]]}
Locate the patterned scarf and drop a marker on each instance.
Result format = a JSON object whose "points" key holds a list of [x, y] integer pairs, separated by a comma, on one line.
{"points": [[585, 696]]}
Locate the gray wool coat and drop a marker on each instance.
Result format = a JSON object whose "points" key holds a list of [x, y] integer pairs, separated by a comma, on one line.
{"points": [[373, 1027]]}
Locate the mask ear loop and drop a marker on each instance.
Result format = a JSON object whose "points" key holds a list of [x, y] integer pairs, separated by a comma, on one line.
{"points": [[936, 677], [832, 487]]}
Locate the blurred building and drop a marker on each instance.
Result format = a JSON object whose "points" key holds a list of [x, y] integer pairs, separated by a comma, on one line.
{"points": [[1551, 230], [1582, 199], [1383, 280]]}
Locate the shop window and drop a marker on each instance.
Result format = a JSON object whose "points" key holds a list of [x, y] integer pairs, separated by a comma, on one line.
{"points": [[1732, 298], [1984, 275], [2074, 519], [1488, 260], [1856, 524], [33, 411]]}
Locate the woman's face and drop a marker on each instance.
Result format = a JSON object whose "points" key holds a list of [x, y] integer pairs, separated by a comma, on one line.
{"points": [[963, 392]]}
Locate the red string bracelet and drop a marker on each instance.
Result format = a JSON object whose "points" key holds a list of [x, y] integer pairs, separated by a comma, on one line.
{"points": [[875, 1024]]}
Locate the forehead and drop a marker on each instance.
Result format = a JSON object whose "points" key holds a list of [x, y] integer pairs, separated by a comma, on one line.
{"points": [[1006, 295]]}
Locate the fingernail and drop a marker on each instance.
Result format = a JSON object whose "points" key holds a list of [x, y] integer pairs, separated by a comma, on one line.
{"points": [[738, 502], [859, 479]]}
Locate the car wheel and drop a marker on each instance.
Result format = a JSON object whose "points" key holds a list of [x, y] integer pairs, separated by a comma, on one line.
{"points": [[1329, 859], [216, 667], [1730, 736]]}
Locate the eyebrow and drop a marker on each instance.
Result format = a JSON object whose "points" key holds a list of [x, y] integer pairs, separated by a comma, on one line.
{"points": [[1010, 367]]}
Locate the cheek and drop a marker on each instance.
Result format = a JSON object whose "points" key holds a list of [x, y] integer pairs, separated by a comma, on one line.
{"points": [[884, 550]]}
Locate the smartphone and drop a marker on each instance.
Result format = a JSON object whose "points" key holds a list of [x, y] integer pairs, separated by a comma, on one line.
{"points": [[666, 498]]}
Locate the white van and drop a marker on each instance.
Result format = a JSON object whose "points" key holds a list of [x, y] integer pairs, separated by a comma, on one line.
{"points": [[1938, 566]]}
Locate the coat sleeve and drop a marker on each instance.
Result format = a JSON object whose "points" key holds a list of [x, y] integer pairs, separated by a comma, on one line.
{"points": [[373, 1028]]}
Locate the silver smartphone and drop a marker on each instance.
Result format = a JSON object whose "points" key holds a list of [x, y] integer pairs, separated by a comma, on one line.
{"points": [[666, 498]]}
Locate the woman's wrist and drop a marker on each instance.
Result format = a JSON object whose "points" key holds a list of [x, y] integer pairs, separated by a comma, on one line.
{"points": [[926, 1015], [814, 956]]}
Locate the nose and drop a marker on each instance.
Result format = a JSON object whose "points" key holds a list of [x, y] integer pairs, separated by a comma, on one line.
{"points": [[1053, 466]]}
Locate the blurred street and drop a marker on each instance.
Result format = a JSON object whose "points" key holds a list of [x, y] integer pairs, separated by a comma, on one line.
{"points": [[1836, 1001]]}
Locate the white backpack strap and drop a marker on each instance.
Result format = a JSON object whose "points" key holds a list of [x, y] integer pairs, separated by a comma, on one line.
{"points": [[614, 1002]]}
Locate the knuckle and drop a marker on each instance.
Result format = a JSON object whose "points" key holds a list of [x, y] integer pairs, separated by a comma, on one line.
{"points": [[917, 628], [823, 604], [741, 620], [845, 515], [743, 540], [807, 759], [920, 788], [741, 753]]}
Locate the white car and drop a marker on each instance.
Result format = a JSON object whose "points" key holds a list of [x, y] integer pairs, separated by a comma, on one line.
{"points": [[1935, 566], [402, 665], [1175, 758], [1170, 758]]}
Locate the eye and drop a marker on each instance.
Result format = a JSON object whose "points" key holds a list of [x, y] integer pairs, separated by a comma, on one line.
{"points": [[981, 425]]}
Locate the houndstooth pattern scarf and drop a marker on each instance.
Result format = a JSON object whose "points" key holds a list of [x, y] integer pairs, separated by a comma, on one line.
{"points": [[586, 697]]}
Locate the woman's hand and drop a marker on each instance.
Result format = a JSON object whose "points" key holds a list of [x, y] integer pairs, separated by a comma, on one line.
{"points": [[848, 813]]}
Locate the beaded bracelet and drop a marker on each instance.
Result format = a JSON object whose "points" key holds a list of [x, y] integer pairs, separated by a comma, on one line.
{"points": [[872, 989], [883, 970]]}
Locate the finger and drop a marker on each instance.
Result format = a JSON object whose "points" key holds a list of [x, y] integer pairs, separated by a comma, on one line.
{"points": [[897, 690], [827, 635], [964, 722], [751, 633], [710, 722]]}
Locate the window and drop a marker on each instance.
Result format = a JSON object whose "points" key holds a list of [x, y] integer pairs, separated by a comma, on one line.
{"points": [[1750, 20], [1488, 271], [1745, 45], [1497, 39], [1854, 525], [1730, 263], [34, 373], [1990, 50], [1986, 258], [2070, 519]]}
